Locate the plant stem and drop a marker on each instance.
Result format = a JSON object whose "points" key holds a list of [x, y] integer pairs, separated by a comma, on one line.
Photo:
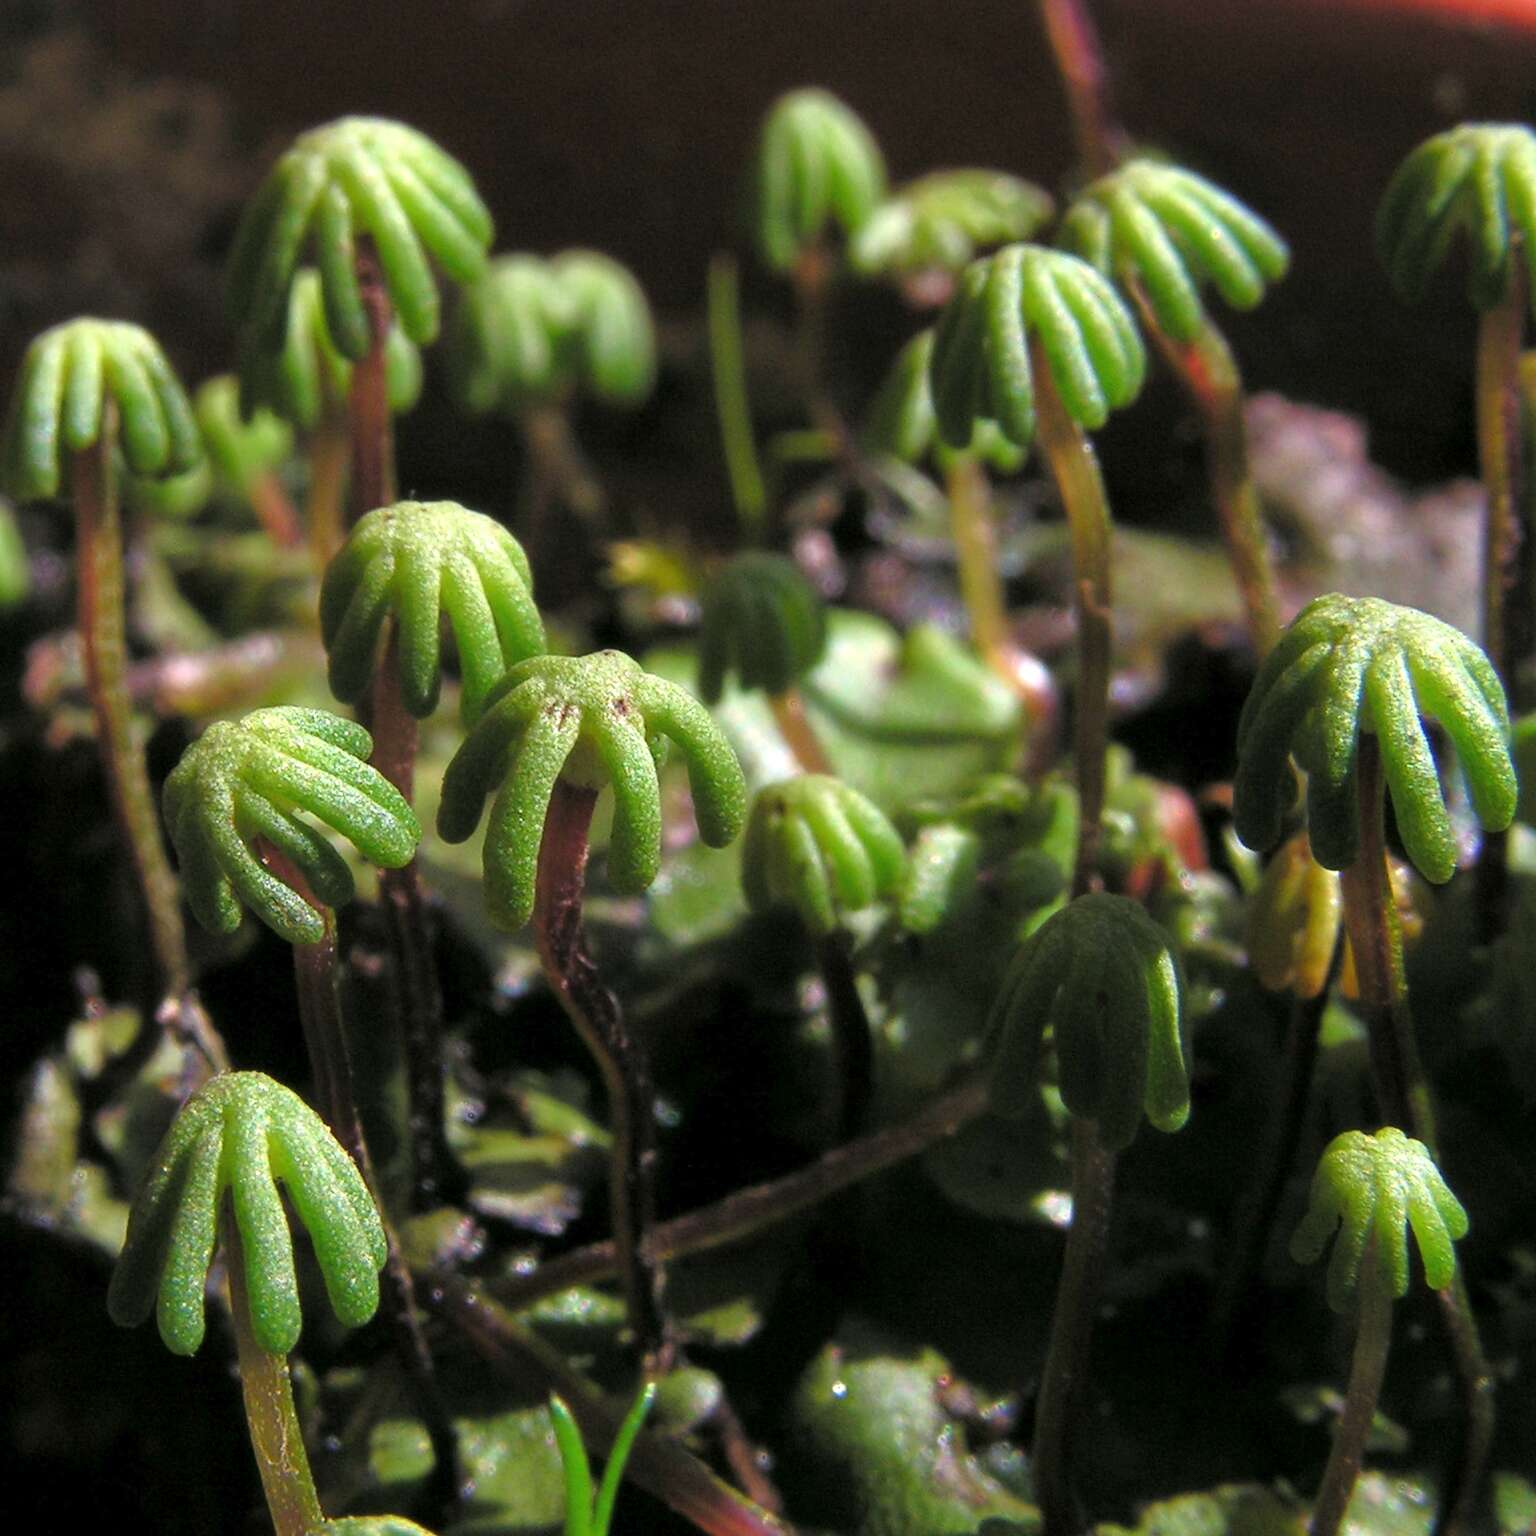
{"points": [[1509, 558], [1075, 468], [1255, 1218], [1066, 1360], [619, 1054], [1373, 1337], [733, 410], [1403, 1098], [372, 427], [1080, 63], [763, 1205], [276, 1435], [274, 510], [812, 276], [659, 1464], [99, 583], [1212, 380], [853, 1048], [395, 739], [796, 729], [330, 447], [981, 590], [315, 971]]}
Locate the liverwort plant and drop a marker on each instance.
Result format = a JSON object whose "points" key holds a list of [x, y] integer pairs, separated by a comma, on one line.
{"points": [[214, 1182], [1344, 692], [403, 571], [1164, 233], [370, 200], [817, 171], [819, 846], [764, 622], [307, 382], [1369, 1189], [926, 231], [247, 456], [534, 335], [87, 386], [552, 733], [1102, 976], [1036, 340]]}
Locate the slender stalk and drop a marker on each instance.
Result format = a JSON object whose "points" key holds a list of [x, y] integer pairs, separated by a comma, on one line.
{"points": [[981, 589], [329, 450], [812, 276], [661, 1465], [316, 972], [1255, 1219], [853, 1047], [274, 510], [99, 583], [1403, 1097], [796, 729], [1066, 1360], [733, 411], [1373, 1337], [763, 1205], [276, 1435], [1211, 378], [619, 1054], [1080, 63], [559, 466], [395, 739], [371, 425], [1075, 468], [1509, 558]]}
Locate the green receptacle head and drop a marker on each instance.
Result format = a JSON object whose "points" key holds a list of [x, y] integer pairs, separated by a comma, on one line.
{"points": [[592, 721], [239, 448], [356, 178], [817, 168], [1478, 180], [304, 377], [414, 563], [59, 407], [1174, 233], [981, 367], [815, 844], [1374, 1189], [1103, 977], [1352, 664], [248, 780], [241, 1135], [763, 621], [945, 219]]}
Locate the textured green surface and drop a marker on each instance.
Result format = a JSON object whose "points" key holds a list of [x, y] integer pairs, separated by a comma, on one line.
{"points": [[1348, 665], [945, 219], [1174, 233], [593, 720], [816, 845], [249, 779], [67, 377], [355, 177], [817, 166], [305, 377], [532, 331], [763, 622], [238, 448], [903, 424], [1478, 180], [417, 562], [1103, 976], [981, 367], [243, 1134], [1376, 1188]]}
